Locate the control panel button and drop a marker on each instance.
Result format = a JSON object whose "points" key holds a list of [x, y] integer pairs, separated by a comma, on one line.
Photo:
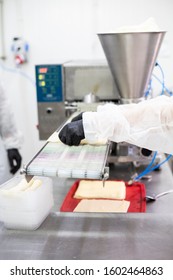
{"points": [[49, 110]]}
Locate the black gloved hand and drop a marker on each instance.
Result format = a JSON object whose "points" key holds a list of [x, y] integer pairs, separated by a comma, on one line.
{"points": [[72, 133], [77, 118], [15, 160]]}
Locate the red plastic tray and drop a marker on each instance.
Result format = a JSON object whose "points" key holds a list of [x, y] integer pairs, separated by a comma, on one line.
{"points": [[135, 193]]}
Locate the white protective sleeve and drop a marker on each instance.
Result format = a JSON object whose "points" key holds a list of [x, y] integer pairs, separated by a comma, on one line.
{"points": [[10, 135], [148, 124]]}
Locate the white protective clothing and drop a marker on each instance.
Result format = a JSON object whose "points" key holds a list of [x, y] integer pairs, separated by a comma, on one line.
{"points": [[10, 137], [148, 124]]}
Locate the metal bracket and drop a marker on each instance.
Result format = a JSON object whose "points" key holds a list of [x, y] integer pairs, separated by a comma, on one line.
{"points": [[105, 175]]}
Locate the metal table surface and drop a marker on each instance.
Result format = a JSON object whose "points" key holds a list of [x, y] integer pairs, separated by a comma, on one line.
{"points": [[87, 236]]}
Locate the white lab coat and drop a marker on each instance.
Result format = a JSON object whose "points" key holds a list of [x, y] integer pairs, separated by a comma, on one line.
{"points": [[10, 136], [148, 124]]}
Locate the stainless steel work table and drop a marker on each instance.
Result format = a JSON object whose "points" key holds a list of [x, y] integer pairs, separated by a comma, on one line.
{"points": [[98, 236]]}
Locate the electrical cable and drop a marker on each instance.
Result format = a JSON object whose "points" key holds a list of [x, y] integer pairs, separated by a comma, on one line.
{"points": [[163, 77], [146, 171], [167, 90], [149, 89]]}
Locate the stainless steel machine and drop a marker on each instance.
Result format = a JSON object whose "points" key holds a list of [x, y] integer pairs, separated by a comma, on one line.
{"points": [[75, 86], [65, 88], [131, 58]]}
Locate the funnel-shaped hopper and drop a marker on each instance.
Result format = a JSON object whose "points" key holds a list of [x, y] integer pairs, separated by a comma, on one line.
{"points": [[131, 58]]}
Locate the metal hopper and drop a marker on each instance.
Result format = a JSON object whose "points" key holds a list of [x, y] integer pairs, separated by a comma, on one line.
{"points": [[131, 58]]}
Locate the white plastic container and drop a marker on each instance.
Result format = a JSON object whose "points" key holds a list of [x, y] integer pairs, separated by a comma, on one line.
{"points": [[27, 209]]}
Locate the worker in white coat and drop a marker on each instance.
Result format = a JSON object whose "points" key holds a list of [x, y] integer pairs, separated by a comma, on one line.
{"points": [[148, 124], [10, 140]]}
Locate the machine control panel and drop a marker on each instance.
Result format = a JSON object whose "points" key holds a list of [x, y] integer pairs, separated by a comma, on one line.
{"points": [[50, 98], [49, 83]]}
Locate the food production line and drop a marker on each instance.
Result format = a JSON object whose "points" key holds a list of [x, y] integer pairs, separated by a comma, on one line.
{"points": [[73, 87], [64, 90]]}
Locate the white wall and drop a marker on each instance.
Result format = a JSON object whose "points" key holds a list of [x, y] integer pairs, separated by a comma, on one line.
{"points": [[66, 29]]}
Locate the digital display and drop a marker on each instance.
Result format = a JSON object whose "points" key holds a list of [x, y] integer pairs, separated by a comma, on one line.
{"points": [[43, 70]]}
